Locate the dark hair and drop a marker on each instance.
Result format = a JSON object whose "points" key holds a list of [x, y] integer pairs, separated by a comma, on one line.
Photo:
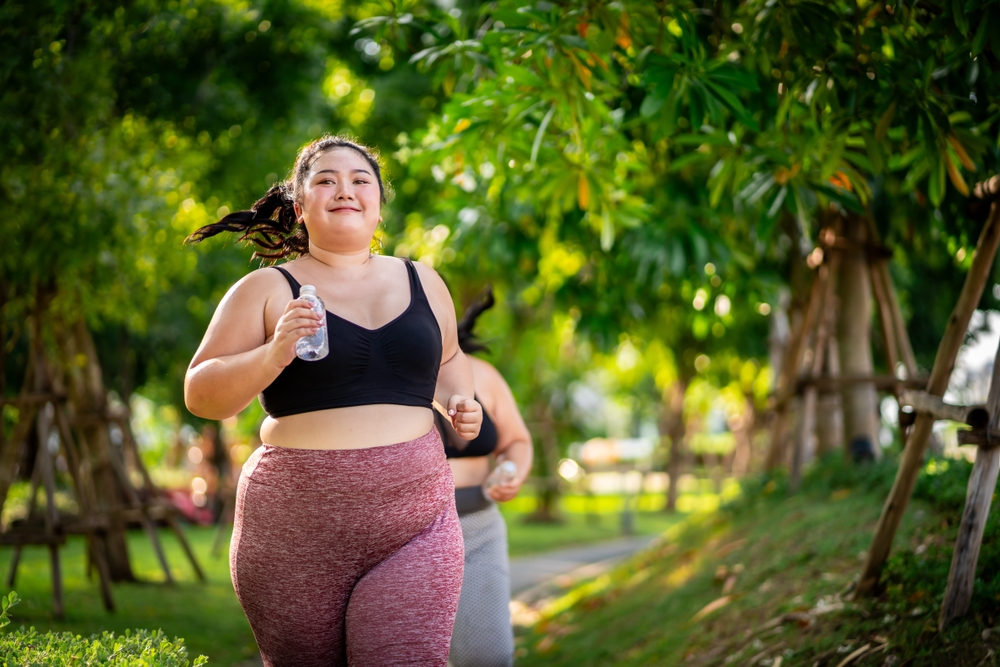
{"points": [[270, 224], [466, 338]]}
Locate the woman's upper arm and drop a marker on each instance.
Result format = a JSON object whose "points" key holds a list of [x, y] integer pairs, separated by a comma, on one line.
{"points": [[509, 422], [443, 307], [239, 323]]}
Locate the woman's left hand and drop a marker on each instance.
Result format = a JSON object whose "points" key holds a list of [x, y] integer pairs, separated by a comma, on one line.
{"points": [[504, 492], [466, 416]]}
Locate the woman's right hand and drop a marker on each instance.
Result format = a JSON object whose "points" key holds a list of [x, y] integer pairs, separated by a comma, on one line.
{"points": [[298, 320]]}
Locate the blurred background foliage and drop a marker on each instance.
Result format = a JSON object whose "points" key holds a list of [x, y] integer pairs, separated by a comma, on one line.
{"points": [[641, 182]]}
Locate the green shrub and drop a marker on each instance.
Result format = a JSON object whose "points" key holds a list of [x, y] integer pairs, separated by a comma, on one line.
{"points": [[141, 648]]}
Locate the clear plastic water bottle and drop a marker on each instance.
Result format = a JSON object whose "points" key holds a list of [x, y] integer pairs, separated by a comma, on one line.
{"points": [[317, 346], [505, 473]]}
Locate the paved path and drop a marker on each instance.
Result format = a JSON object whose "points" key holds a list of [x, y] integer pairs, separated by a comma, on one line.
{"points": [[532, 576]]}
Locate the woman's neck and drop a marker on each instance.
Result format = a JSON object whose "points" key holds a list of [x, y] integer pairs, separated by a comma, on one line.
{"points": [[339, 259]]}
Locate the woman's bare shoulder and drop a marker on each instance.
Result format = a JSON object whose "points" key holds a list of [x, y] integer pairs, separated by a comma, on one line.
{"points": [[258, 287]]}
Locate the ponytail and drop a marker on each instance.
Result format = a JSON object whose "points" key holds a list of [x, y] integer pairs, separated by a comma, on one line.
{"points": [[270, 224], [466, 338]]}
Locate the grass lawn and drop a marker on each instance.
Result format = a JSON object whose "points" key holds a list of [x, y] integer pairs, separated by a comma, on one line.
{"points": [[208, 616]]}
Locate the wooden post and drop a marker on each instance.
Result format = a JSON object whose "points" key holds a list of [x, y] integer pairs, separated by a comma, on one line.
{"points": [[958, 594], [902, 337], [807, 420], [787, 385], [44, 462], [150, 487], [944, 362], [885, 316], [829, 413], [87, 499], [15, 556]]}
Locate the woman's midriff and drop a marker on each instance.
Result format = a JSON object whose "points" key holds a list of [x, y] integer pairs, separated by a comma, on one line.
{"points": [[355, 427], [470, 471]]}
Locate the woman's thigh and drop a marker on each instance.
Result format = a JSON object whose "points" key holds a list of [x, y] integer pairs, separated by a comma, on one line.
{"points": [[293, 577], [402, 611]]}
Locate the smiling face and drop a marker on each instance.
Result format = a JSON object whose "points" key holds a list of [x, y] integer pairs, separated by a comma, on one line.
{"points": [[340, 201]]}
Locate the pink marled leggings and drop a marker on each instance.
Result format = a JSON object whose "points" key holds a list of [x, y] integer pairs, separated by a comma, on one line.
{"points": [[349, 556]]}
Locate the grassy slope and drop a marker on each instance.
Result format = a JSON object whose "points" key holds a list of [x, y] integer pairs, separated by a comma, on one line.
{"points": [[787, 554]]}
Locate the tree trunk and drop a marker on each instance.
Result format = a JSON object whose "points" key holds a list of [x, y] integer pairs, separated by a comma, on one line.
{"points": [[860, 400], [546, 508], [742, 429], [88, 397], [674, 428], [220, 461]]}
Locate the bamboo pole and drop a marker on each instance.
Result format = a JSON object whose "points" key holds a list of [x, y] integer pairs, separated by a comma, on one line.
{"points": [[787, 385], [885, 317], [902, 336], [982, 482], [131, 445], [977, 416], [944, 362], [810, 397]]}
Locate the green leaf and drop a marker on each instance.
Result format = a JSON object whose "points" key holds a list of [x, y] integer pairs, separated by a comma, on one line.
{"points": [[719, 185], [696, 108], [653, 102], [936, 182], [958, 13], [733, 76], [522, 75], [897, 162], [979, 41], [843, 197], [885, 121], [874, 149], [734, 105], [689, 158], [777, 201], [858, 160], [574, 41]]}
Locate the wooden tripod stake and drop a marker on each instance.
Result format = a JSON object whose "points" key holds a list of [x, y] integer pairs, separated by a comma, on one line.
{"points": [[944, 362], [44, 408]]}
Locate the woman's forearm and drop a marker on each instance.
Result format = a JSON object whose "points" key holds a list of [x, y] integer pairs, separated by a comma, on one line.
{"points": [[521, 454], [220, 388]]}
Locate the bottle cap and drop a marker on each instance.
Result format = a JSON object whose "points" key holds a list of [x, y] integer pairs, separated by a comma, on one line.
{"points": [[307, 289]]}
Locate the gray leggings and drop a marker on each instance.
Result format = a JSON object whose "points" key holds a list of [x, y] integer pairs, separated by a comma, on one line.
{"points": [[483, 636]]}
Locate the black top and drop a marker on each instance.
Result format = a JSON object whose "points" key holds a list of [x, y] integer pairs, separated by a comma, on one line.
{"points": [[456, 448], [397, 363]]}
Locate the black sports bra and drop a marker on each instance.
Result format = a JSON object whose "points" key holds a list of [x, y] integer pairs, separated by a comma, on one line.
{"points": [[455, 448], [397, 363]]}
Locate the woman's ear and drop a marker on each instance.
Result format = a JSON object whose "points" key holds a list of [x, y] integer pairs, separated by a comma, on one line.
{"points": [[298, 211]]}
